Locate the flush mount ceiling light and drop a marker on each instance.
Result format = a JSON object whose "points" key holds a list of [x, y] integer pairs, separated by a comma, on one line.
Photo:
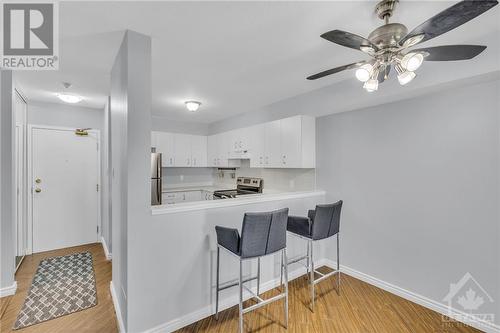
{"points": [[388, 45], [69, 98], [192, 105]]}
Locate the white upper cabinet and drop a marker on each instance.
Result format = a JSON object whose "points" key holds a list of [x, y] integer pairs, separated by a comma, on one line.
{"points": [[272, 139], [198, 151], [164, 143], [284, 143], [180, 150]]}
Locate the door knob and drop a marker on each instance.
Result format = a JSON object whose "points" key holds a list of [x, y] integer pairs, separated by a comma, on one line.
{"points": [[38, 190]]}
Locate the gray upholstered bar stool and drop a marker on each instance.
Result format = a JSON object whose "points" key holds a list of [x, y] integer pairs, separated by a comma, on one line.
{"points": [[321, 223], [262, 234]]}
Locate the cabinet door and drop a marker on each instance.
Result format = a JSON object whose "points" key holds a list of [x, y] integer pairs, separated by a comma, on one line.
{"points": [[192, 196], [198, 151], [223, 147], [256, 145], [272, 158], [182, 150], [212, 151], [165, 143], [290, 137]]}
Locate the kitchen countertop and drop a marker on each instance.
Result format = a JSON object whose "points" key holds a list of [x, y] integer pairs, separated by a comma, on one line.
{"points": [[242, 200]]}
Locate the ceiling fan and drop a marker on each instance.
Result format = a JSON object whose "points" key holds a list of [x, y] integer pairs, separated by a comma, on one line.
{"points": [[388, 45]]}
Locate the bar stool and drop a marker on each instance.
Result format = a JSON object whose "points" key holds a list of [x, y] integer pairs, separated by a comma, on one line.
{"points": [[262, 234], [321, 223]]}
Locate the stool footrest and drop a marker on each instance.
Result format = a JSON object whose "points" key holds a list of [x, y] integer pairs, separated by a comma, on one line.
{"points": [[263, 302], [236, 283], [324, 276]]}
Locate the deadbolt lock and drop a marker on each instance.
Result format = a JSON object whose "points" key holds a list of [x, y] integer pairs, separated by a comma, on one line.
{"points": [[38, 180], [38, 190]]}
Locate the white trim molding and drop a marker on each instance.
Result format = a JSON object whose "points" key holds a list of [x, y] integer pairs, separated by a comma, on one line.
{"points": [[438, 307], [8, 291], [108, 254], [116, 304]]}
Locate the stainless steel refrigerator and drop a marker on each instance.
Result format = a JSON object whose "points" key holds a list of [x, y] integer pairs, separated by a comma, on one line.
{"points": [[155, 179]]}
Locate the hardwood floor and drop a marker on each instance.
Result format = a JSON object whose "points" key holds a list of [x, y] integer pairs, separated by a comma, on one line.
{"points": [[359, 308], [100, 318]]}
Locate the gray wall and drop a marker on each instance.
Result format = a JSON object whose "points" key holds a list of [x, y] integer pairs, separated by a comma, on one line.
{"points": [[130, 106], [420, 184], [7, 180]]}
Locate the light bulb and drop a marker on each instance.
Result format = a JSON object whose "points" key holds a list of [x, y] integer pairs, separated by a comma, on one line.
{"points": [[371, 85], [405, 77], [364, 72], [69, 98], [192, 105], [412, 61]]}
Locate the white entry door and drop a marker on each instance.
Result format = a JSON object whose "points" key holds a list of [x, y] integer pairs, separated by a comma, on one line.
{"points": [[65, 178]]}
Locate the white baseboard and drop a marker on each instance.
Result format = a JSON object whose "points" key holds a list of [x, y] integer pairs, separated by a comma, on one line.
{"points": [[108, 254], [416, 298], [8, 291], [209, 310], [116, 304]]}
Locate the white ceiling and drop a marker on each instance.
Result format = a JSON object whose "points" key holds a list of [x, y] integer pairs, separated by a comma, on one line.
{"points": [[234, 57]]}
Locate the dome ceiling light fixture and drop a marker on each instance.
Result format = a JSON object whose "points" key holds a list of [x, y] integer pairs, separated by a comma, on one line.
{"points": [[69, 98], [192, 105], [388, 45]]}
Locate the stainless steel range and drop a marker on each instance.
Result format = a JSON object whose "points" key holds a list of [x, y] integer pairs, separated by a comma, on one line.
{"points": [[244, 185]]}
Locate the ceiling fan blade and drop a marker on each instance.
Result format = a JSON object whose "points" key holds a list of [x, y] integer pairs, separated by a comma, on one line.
{"points": [[451, 52], [348, 39], [384, 73], [450, 18], [336, 70]]}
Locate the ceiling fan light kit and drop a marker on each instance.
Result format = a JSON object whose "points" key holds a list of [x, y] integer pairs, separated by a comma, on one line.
{"points": [[388, 45]]}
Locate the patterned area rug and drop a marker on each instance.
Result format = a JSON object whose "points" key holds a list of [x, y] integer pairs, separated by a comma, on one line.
{"points": [[62, 285]]}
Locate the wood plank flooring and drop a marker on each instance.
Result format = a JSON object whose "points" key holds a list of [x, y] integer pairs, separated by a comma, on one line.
{"points": [[360, 308], [100, 318]]}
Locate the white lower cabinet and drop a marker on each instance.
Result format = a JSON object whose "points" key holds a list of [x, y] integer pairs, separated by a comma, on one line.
{"points": [[169, 198]]}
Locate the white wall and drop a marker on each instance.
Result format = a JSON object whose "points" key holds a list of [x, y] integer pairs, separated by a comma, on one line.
{"points": [[64, 115], [420, 184], [163, 124], [7, 180], [130, 105]]}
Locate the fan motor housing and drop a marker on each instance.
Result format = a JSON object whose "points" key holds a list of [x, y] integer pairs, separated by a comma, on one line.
{"points": [[388, 35]]}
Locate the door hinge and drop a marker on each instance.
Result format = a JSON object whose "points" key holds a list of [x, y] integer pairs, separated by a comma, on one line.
{"points": [[97, 229], [97, 187]]}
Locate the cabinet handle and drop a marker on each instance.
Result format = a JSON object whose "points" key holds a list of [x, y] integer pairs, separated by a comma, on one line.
{"points": [[195, 161], [171, 161], [183, 197], [187, 161]]}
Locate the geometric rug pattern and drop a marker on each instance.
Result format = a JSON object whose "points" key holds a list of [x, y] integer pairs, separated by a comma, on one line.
{"points": [[61, 285]]}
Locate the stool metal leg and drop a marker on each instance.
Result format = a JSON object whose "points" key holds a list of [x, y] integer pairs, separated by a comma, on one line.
{"points": [[240, 308], [281, 270], [285, 267], [338, 263], [307, 260], [217, 286], [311, 280], [258, 276]]}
